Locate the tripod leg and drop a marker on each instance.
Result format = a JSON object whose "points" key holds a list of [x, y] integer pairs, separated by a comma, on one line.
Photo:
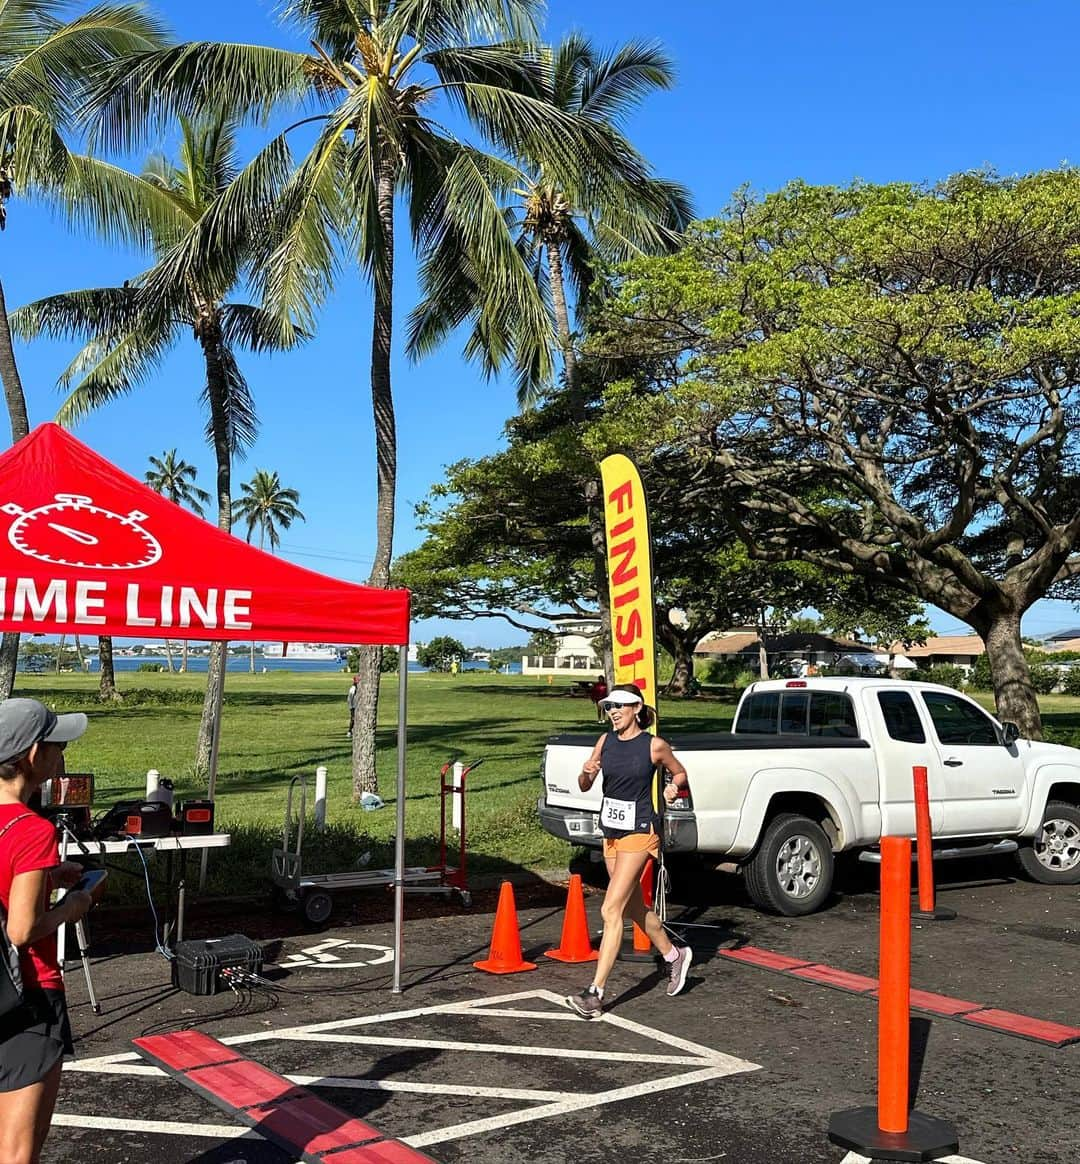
{"points": [[80, 934]]}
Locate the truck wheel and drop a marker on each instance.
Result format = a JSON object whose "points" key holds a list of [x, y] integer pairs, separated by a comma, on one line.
{"points": [[792, 871], [1053, 857]]}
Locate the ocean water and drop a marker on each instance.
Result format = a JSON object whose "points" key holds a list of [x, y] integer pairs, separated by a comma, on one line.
{"points": [[242, 663]]}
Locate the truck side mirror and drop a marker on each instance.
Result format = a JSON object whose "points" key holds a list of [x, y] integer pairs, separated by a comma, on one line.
{"points": [[1010, 733]]}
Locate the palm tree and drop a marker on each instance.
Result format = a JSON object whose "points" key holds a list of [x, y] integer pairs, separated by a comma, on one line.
{"points": [[175, 479], [266, 506], [378, 70], [562, 225], [44, 63], [129, 330]]}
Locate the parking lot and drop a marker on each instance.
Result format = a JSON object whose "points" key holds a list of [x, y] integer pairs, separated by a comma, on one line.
{"points": [[745, 1066]]}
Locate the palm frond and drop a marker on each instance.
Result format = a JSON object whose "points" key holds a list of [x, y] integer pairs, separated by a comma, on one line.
{"points": [[241, 423], [257, 329], [216, 247], [454, 23], [620, 81], [136, 98], [299, 255], [110, 367], [76, 315]]}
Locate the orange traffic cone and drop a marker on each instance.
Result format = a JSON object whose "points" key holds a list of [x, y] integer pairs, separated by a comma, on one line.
{"points": [[504, 956], [575, 944]]}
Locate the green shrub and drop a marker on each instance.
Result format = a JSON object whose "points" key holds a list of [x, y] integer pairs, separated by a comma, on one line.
{"points": [[1072, 681], [980, 679], [947, 674], [152, 668], [744, 679], [1043, 678]]}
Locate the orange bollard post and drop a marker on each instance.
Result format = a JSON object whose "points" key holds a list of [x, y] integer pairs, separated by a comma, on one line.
{"points": [[890, 1131], [928, 909], [642, 949]]}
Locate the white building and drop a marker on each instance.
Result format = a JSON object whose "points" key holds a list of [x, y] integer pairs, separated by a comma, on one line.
{"points": [[575, 653]]}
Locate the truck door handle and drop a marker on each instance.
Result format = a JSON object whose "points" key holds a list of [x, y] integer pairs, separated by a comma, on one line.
{"points": [[951, 763]]}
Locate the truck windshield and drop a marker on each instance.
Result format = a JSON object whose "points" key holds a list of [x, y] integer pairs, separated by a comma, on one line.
{"points": [[798, 713]]}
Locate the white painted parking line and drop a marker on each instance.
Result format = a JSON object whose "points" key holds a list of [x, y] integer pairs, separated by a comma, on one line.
{"points": [[855, 1158], [159, 1127], [705, 1063], [494, 1048]]}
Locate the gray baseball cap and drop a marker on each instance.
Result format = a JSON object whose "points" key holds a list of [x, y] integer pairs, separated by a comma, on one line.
{"points": [[25, 722]]}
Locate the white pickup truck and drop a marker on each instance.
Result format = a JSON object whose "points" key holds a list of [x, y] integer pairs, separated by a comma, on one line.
{"points": [[816, 767]]}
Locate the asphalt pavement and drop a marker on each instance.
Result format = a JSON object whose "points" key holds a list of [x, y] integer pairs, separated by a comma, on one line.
{"points": [[745, 1066]]}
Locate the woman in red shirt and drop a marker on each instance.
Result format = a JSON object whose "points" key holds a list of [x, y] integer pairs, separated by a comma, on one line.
{"points": [[35, 1036]]}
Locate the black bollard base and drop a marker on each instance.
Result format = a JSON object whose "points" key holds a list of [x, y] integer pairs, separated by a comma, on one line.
{"points": [[927, 1137], [938, 913]]}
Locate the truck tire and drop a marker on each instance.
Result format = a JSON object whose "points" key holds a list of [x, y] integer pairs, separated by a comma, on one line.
{"points": [[792, 871], [1053, 858]]}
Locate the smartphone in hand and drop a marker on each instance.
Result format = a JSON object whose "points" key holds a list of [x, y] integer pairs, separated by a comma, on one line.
{"points": [[92, 882]]}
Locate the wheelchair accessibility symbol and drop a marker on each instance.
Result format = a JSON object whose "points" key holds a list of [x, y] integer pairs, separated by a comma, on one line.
{"points": [[337, 954]]}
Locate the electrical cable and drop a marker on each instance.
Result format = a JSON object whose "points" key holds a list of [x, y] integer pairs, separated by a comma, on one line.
{"points": [[163, 950]]}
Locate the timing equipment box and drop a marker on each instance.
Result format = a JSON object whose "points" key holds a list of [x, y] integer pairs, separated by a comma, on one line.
{"points": [[196, 818], [198, 963]]}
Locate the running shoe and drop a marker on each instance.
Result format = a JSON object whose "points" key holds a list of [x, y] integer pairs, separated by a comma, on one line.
{"points": [[678, 969], [588, 1003]]}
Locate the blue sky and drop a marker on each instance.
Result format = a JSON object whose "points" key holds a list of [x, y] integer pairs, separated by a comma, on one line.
{"points": [[825, 91]]}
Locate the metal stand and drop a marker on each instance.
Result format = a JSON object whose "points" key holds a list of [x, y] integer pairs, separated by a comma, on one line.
{"points": [[80, 926]]}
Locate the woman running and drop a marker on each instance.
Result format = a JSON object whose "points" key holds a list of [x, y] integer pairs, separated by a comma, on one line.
{"points": [[628, 756]]}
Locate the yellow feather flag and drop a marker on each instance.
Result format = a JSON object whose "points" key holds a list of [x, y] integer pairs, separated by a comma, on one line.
{"points": [[629, 566]]}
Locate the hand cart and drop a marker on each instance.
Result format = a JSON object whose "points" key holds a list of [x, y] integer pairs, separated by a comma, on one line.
{"points": [[312, 893]]}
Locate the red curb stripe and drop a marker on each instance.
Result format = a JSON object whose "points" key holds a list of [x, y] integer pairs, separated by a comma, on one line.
{"points": [[183, 1050], [243, 1084], [1038, 1030], [986, 1018], [384, 1152], [312, 1123], [841, 979], [292, 1117], [768, 959]]}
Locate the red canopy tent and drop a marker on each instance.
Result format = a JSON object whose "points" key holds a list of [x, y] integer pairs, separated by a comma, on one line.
{"points": [[84, 548]]}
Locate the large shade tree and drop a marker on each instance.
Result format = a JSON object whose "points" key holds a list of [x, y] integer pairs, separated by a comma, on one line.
{"points": [[914, 352], [128, 331], [46, 56], [381, 76]]}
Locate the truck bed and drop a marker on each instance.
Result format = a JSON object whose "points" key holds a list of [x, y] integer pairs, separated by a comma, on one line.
{"points": [[726, 742]]}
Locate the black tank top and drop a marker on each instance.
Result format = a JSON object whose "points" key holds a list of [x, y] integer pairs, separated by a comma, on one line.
{"points": [[628, 776]]}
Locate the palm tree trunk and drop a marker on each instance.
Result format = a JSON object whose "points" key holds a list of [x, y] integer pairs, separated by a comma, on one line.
{"points": [[365, 778], [557, 282], [20, 426], [107, 685], [168, 657], [211, 340], [183, 658]]}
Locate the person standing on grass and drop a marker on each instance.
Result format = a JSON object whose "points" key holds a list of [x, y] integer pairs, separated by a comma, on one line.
{"points": [[35, 1036], [629, 756], [354, 692]]}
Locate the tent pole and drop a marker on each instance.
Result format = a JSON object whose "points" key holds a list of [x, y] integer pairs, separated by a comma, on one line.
{"points": [[399, 840], [211, 777]]}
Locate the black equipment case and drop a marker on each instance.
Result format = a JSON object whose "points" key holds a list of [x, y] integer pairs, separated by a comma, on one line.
{"points": [[198, 963]]}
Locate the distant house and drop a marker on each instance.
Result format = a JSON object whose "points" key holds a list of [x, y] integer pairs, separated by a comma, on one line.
{"points": [[801, 650], [574, 651], [958, 650]]}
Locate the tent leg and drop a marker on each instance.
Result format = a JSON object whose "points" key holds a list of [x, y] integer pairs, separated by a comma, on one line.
{"points": [[211, 780], [399, 840]]}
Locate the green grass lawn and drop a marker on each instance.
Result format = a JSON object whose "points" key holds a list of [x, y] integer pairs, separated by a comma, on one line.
{"points": [[281, 724]]}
